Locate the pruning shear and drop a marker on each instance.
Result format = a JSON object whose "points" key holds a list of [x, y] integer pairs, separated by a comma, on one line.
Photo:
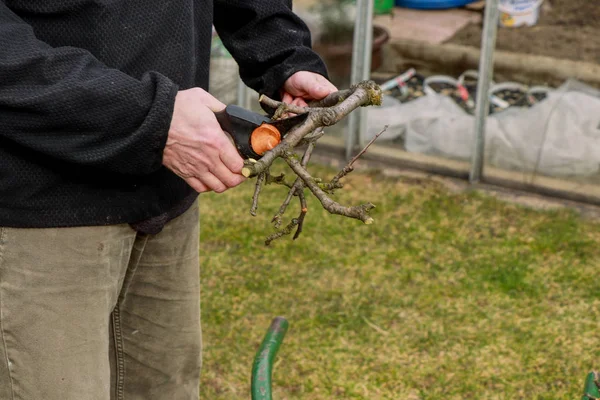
{"points": [[254, 134]]}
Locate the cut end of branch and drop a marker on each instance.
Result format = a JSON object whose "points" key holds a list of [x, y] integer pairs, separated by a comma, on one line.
{"points": [[369, 221], [247, 172], [375, 97], [374, 91]]}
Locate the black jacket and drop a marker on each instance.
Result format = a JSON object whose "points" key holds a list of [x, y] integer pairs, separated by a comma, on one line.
{"points": [[87, 90]]}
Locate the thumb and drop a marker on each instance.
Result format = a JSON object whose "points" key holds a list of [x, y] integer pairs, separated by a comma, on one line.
{"points": [[211, 102], [319, 92], [308, 85], [319, 87]]}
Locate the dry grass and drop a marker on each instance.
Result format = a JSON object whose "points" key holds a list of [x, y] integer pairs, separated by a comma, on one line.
{"points": [[453, 296]]}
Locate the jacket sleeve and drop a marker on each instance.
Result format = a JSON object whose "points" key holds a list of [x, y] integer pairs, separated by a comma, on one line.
{"points": [[63, 103], [269, 42]]}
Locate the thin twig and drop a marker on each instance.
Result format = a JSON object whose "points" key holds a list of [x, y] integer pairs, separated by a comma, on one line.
{"points": [[308, 153], [303, 211], [285, 231], [363, 151], [282, 108], [331, 186], [359, 212], [314, 136], [278, 180], [295, 188], [299, 187], [277, 218], [350, 166], [257, 188]]}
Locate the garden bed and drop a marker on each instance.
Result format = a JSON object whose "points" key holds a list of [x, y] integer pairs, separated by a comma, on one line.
{"points": [[568, 30]]}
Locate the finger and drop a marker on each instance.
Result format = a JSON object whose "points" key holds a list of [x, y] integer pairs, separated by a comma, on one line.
{"points": [[231, 158], [212, 182], [197, 185], [299, 101], [227, 177], [287, 98], [309, 85]]}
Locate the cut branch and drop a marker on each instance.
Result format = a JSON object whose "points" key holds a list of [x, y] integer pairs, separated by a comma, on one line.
{"points": [[359, 212], [363, 94], [325, 112]]}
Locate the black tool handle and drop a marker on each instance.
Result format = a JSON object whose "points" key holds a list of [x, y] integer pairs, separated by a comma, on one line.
{"points": [[240, 131]]}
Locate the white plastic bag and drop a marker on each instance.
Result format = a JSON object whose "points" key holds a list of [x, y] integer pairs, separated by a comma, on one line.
{"points": [[559, 136]]}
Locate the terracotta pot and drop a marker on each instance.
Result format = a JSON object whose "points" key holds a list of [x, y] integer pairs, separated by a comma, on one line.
{"points": [[338, 57]]}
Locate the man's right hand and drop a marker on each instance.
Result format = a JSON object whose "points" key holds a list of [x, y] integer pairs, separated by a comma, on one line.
{"points": [[197, 149]]}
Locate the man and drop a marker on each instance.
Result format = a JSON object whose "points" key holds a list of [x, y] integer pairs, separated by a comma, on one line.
{"points": [[107, 135]]}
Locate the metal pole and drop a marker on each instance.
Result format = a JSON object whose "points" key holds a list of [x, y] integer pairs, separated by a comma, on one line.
{"points": [[361, 68], [243, 97], [486, 72]]}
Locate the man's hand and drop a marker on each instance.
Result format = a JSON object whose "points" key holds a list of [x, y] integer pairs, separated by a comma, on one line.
{"points": [[197, 149], [305, 86]]}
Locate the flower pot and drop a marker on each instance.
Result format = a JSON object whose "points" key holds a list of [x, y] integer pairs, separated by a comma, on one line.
{"points": [[338, 56]]}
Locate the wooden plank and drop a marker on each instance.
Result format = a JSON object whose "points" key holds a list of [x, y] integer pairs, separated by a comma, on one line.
{"points": [[450, 58]]}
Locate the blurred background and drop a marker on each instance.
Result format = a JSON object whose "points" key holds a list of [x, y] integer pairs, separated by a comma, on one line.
{"points": [[538, 127]]}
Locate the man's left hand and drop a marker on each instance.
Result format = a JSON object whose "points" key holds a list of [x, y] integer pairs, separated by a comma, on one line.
{"points": [[305, 86]]}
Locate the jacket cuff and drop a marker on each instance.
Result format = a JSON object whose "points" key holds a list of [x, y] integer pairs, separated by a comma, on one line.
{"points": [[303, 60], [165, 99]]}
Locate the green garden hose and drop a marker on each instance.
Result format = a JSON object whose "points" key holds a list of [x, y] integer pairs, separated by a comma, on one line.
{"points": [[263, 361], [591, 390]]}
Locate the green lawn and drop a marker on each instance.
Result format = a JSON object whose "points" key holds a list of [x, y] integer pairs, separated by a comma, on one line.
{"points": [[445, 296]]}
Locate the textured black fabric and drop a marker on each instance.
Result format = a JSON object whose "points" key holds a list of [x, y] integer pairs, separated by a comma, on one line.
{"points": [[87, 90], [270, 42], [153, 225]]}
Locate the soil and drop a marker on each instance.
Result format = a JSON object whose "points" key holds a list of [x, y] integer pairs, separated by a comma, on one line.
{"points": [[568, 29]]}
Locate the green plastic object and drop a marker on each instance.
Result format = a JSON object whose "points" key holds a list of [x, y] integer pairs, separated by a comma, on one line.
{"points": [[591, 390], [263, 361], [384, 6]]}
